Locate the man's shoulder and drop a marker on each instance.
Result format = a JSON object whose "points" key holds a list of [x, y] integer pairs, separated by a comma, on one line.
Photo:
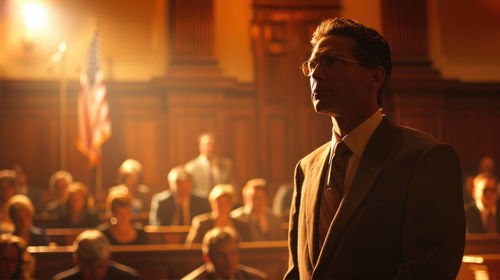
{"points": [[72, 273], [190, 165], [199, 273], [120, 271], [162, 196], [317, 152], [203, 218], [250, 273]]}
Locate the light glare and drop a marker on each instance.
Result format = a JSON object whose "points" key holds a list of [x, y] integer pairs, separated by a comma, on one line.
{"points": [[33, 15]]}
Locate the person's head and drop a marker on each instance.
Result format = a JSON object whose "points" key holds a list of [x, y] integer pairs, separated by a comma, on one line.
{"points": [[255, 195], [59, 181], [130, 173], [180, 182], [20, 212], [349, 68], [487, 165], [15, 261], [485, 190], [76, 199], [207, 144], [220, 250], [91, 254], [7, 185], [221, 199], [119, 204]]}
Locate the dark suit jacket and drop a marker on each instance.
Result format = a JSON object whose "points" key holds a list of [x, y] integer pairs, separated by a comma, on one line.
{"points": [[163, 208], [242, 273], [204, 222], [473, 218], [401, 218], [115, 271], [275, 231]]}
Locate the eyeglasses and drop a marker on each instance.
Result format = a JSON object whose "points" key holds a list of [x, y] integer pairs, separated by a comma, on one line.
{"points": [[326, 60]]}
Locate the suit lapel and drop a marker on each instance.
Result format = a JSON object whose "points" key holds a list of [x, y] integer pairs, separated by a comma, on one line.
{"points": [[370, 165], [316, 182]]}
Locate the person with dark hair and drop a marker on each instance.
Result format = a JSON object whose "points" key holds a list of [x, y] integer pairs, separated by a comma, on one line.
{"points": [[20, 211], [77, 208], [130, 178], [93, 260], [481, 213], [378, 201], [177, 205], [209, 168], [221, 255], [120, 230], [16, 262]]}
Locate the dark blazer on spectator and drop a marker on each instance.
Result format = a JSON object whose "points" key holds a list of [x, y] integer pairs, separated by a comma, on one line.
{"points": [[115, 271], [141, 238], [163, 208], [474, 222], [275, 232], [243, 272]]}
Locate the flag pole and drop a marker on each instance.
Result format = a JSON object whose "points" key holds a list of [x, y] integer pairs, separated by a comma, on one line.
{"points": [[63, 121]]}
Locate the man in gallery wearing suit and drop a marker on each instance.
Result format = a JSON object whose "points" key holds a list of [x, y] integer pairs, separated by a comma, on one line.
{"points": [[177, 205], [209, 169], [378, 201], [481, 213]]}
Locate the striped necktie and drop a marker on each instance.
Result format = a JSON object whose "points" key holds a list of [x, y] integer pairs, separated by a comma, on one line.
{"points": [[333, 189]]}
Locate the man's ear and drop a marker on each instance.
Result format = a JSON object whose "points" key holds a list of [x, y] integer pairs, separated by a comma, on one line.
{"points": [[378, 76]]}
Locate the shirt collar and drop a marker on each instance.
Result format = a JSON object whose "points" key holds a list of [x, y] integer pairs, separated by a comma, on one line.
{"points": [[357, 139]]}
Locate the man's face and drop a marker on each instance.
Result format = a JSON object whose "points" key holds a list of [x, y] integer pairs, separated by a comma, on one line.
{"points": [[222, 205], [340, 87], [225, 258], [486, 191], [207, 145], [61, 186], [94, 270]]}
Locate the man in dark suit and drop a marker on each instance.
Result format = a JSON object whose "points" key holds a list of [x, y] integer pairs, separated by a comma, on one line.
{"points": [[481, 213], [177, 205], [379, 201]]}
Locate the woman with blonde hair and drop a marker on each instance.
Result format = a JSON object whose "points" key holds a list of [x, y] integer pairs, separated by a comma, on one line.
{"points": [[120, 230], [221, 200], [58, 183], [76, 208]]}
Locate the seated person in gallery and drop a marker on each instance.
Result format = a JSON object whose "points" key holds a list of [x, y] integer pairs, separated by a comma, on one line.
{"points": [[264, 225], [16, 262], [93, 262], [77, 208], [221, 255], [20, 212], [221, 200], [120, 230], [130, 177], [7, 190], [177, 205], [481, 214], [58, 183]]}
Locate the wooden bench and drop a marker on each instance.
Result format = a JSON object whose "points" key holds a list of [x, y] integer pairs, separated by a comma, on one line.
{"points": [[170, 261], [156, 235], [51, 221]]}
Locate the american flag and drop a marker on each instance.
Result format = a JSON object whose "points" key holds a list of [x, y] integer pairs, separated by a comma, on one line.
{"points": [[94, 125]]}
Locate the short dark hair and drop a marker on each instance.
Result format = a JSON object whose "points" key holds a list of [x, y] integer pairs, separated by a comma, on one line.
{"points": [[371, 48]]}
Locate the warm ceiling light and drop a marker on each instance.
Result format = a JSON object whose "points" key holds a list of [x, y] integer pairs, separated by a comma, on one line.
{"points": [[33, 15]]}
